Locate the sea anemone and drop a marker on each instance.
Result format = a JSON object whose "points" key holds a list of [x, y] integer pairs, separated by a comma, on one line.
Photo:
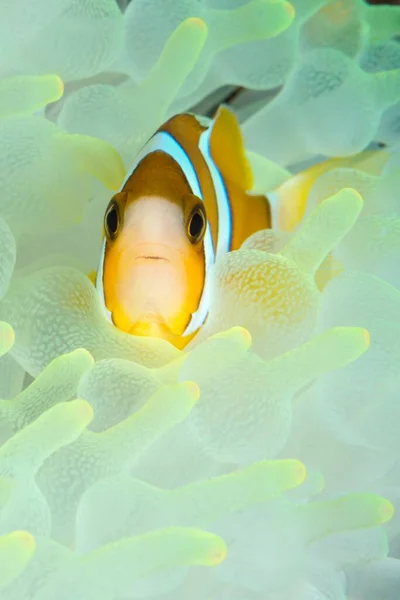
{"points": [[263, 461]]}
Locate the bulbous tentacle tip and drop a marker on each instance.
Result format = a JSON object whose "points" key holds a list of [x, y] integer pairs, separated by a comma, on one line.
{"points": [[300, 471], [387, 511], [350, 196], [81, 355], [290, 9], [7, 337], [235, 334], [217, 553], [82, 410], [61, 86], [23, 539], [196, 23], [192, 389], [367, 337]]}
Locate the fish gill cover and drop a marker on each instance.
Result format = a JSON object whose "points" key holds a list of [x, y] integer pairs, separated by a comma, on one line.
{"points": [[264, 461]]}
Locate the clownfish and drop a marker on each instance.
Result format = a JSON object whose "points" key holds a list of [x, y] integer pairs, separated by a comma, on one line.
{"points": [[184, 204]]}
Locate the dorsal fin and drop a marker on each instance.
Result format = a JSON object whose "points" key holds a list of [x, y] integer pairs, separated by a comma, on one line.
{"points": [[227, 149]]}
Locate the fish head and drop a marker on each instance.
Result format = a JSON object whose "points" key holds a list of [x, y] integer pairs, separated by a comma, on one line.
{"points": [[153, 266]]}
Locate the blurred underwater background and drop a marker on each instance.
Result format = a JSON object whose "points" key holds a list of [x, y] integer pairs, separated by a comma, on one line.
{"points": [[263, 461]]}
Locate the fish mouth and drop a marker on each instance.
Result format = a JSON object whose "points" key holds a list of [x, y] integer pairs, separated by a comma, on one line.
{"points": [[152, 252], [149, 257]]}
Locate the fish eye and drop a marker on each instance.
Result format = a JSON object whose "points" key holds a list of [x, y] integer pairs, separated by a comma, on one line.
{"points": [[112, 220], [196, 224]]}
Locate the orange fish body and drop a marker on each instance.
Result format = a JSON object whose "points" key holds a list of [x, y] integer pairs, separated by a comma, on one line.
{"points": [[182, 207]]}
